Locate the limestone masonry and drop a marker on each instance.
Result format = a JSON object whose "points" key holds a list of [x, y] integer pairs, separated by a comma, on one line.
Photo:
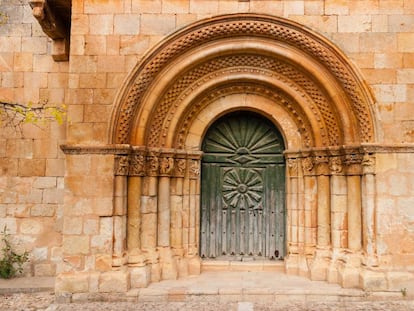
{"points": [[149, 178]]}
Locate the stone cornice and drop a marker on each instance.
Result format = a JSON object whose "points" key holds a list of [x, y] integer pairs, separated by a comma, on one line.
{"points": [[117, 149]]}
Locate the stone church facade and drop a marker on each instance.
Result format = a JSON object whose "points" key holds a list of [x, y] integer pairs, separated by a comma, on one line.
{"points": [[219, 132]]}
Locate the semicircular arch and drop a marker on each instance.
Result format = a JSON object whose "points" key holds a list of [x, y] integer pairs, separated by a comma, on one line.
{"points": [[188, 57]]}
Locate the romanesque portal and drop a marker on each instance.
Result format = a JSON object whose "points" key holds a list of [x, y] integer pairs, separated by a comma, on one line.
{"points": [[266, 71]]}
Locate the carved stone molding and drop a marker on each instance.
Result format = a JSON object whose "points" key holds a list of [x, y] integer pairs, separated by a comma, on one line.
{"points": [[255, 27], [87, 149], [259, 65], [288, 104]]}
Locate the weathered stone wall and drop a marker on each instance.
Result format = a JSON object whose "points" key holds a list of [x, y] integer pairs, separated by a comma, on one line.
{"points": [[108, 38], [31, 164]]}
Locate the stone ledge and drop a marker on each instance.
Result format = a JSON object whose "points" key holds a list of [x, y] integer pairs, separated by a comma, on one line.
{"points": [[27, 285]]}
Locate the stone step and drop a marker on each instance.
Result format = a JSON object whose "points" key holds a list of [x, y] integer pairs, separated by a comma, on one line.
{"points": [[254, 265]]}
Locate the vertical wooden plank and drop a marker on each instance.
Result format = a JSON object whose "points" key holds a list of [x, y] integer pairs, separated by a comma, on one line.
{"points": [[281, 214], [218, 184], [224, 244], [271, 206], [214, 191], [242, 233], [251, 233], [261, 240]]}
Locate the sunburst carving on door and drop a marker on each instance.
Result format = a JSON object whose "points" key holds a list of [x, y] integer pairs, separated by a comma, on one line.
{"points": [[242, 189]]}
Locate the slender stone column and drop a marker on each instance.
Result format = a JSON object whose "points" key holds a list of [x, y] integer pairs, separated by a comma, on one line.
{"points": [[292, 203], [149, 203], [320, 264], [354, 171], [324, 209], [368, 208], [120, 209], [311, 206], [166, 167], [136, 173], [177, 193], [194, 202], [339, 224]]}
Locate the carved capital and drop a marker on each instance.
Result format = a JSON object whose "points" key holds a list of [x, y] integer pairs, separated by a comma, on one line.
{"points": [[152, 163], [368, 164], [121, 165], [335, 165], [194, 169], [137, 164], [353, 162], [293, 167], [166, 165], [308, 165], [322, 164], [180, 164]]}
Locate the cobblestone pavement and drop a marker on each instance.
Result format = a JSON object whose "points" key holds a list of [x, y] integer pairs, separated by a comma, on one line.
{"points": [[45, 302]]}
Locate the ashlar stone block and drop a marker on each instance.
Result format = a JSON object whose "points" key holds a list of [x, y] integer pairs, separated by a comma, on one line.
{"points": [[372, 280], [114, 282], [140, 276], [72, 283]]}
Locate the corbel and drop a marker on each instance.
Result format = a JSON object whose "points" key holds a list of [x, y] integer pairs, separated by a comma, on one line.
{"points": [[53, 27]]}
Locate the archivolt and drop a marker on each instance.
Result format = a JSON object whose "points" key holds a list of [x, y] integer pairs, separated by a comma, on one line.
{"points": [[323, 88]]}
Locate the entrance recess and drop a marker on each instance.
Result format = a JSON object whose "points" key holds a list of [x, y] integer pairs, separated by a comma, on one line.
{"points": [[243, 189]]}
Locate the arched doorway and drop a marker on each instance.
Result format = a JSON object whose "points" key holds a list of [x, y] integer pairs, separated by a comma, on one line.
{"points": [[286, 73], [242, 189]]}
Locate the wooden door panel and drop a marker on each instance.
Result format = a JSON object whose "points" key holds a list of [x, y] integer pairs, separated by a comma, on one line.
{"points": [[242, 194]]}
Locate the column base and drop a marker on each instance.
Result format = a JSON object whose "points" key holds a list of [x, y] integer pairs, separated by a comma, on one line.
{"points": [[320, 264]]}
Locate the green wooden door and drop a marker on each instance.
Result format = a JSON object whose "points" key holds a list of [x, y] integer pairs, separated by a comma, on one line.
{"points": [[243, 189]]}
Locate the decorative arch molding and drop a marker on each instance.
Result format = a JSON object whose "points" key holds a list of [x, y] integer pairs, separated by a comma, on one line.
{"points": [[199, 52]]}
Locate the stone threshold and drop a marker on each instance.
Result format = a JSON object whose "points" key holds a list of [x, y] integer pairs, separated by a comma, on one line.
{"points": [[232, 265], [223, 295]]}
